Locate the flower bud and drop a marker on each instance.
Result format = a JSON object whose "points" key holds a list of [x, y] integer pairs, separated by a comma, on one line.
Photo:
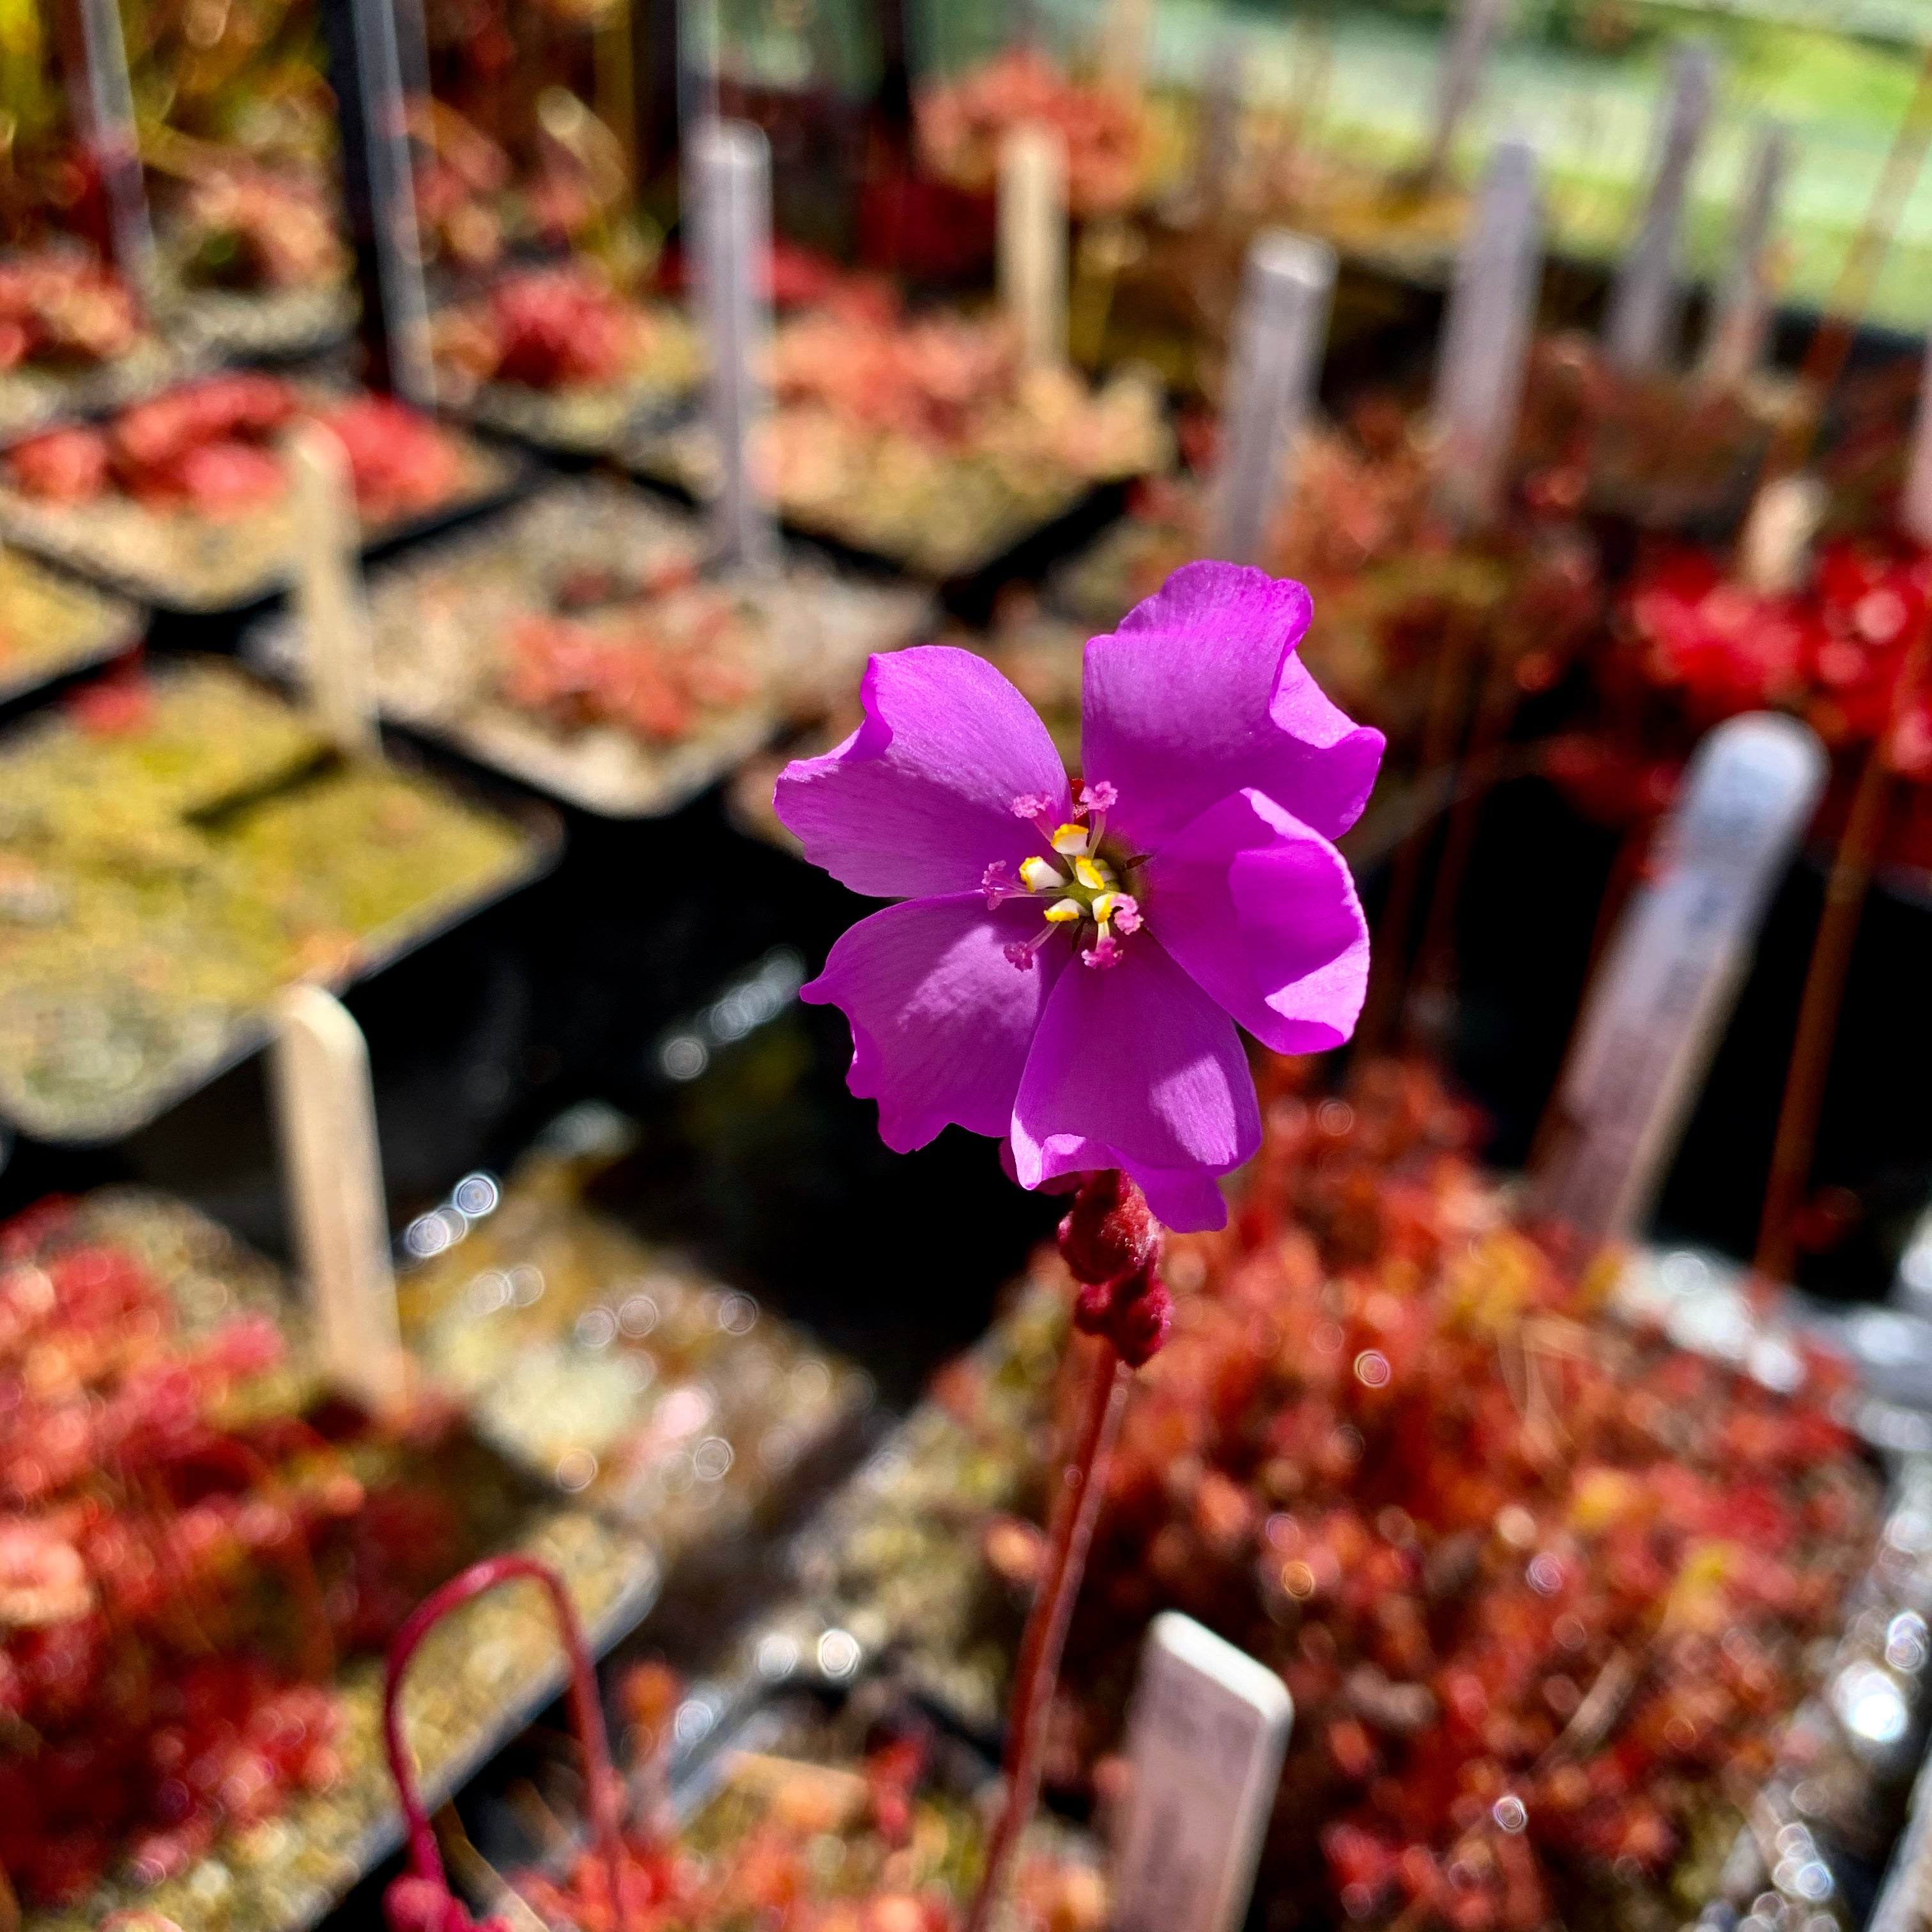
{"points": [[1094, 1307], [1134, 1312], [1140, 1326], [416, 1904], [1111, 1231]]}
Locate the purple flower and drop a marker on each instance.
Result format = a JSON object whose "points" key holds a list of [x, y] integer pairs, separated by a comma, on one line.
{"points": [[1065, 973]]}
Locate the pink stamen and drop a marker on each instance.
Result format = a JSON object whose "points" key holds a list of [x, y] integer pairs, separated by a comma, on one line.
{"points": [[1096, 801], [1021, 954], [1126, 916], [1103, 953], [1032, 807], [998, 887]]}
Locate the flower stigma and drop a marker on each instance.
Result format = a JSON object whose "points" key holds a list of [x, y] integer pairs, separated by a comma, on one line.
{"points": [[1081, 883]]}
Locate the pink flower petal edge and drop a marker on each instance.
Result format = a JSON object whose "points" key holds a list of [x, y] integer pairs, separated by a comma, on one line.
{"points": [[942, 1022], [1137, 1068], [1262, 912], [918, 802], [1200, 692]]}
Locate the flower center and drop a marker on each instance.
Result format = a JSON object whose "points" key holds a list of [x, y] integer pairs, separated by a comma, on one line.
{"points": [[1080, 886]]}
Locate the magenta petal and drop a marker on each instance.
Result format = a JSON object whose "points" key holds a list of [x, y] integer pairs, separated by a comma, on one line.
{"points": [[942, 1021], [1135, 1067], [1200, 693], [1183, 1198], [918, 802], [1262, 913]]}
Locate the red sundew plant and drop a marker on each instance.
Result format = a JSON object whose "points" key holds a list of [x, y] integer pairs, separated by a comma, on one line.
{"points": [[961, 122], [757, 1854], [1543, 1587], [178, 1570], [144, 1546], [1689, 646], [207, 447]]}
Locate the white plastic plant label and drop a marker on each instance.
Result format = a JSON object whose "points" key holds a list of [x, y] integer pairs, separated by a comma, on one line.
{"points": [[1218, 144], [1734, 340], [1465, 51], [732, 165], [1486, 336], [379, 192], [1652, 1020], [326, 1118], [108, 120], [1643, 300], [1280, 330], [1205, 1739], [338, 648], [1033, 241]]}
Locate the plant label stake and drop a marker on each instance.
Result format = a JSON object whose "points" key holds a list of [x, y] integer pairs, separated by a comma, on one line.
{"points": [[338, 650], [1033, 241], [1911, 1286], [326, 1117], [734, 167], [1651, 1022], [1205, 1739], [413, 64], [365, 75], [1643, 301], [107, 116], [1462, 73], [1775, 547], [1218, 146], [1741, 315], [1279, 329], [678, 80], [1915, 505], [1485, 339]]}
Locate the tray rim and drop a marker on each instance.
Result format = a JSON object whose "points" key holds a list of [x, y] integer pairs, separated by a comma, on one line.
{"points": [[542, 836], [753, 727], [510, 471], [128, 626]]}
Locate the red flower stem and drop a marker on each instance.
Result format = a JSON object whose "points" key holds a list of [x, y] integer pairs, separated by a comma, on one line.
{"points": [[1443, 732], [1076, 1510], [1831, 344], [316, 1637], [1469, 787], [1626, 869], [1846, 891], [601, 1781]]}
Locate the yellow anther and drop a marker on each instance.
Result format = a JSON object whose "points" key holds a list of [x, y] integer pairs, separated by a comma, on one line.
{"points": [[1038, 876], [1062, 911], [1103, 906], [1068, 840], [1091, 873]]}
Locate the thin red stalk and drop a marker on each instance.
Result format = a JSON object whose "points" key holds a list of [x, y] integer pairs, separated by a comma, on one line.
{"points": [[1076, 1510], [1831, 344], [1388, 972], [1626, 868], [425, 1860], [1436, 964], [1845, 894], [317, 1643]]}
